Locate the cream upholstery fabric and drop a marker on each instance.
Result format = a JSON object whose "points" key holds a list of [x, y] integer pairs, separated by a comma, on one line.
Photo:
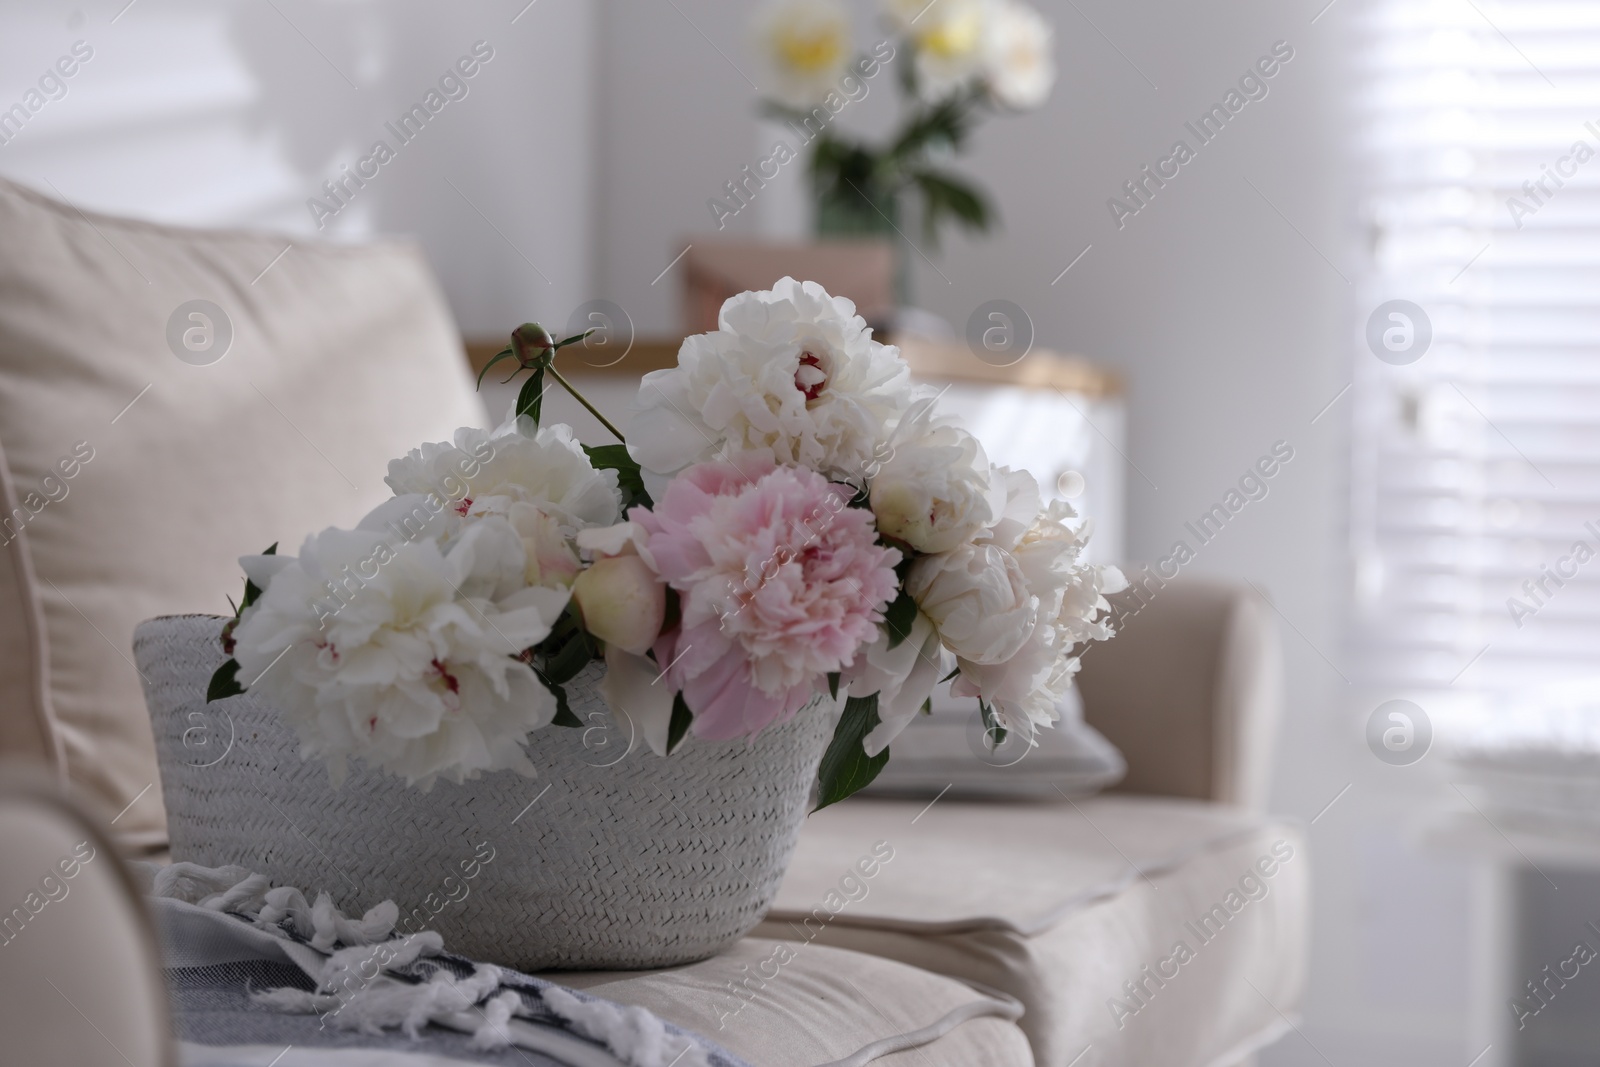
{"points": [[1061, 904], [341, 358], [78, 958], [778, 1004]]}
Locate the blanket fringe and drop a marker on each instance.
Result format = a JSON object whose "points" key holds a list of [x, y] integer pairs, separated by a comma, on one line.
{"points": [[353, 994], [632, 1033]]}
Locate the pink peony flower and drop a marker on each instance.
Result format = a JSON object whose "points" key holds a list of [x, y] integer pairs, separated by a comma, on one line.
{"points": [[780, 583]]}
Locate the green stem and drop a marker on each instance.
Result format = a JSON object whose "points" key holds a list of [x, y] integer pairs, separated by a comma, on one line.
{"points": [[580, 398]]}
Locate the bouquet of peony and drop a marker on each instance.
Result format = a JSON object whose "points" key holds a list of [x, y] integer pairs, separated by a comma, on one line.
{"points": [[790, 528], [954, 60]]}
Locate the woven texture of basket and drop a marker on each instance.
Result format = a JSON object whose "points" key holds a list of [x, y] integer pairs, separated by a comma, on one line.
{"points": [[609, 859]]}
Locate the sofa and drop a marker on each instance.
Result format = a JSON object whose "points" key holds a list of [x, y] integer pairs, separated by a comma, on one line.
{"points": [[142, 449]]}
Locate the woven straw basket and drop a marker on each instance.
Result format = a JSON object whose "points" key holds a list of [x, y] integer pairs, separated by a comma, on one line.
{"points": [[610, 858]]}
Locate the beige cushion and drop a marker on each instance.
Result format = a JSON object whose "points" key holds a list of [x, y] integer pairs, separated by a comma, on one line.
{"points": [[1061, 904], [948, 752], [341, 358], [778, 1004]]}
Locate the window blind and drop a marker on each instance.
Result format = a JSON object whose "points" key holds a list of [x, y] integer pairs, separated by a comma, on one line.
{"points": [[1475, 480]]}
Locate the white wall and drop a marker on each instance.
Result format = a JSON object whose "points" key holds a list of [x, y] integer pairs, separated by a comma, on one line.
{"points": [[234, 113], [1233, 331]]}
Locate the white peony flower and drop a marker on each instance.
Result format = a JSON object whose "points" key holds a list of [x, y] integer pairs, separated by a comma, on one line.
{"points": [[793, 373], [978, 599], [903, 677], [806, 47], [401, 653], [1016, 503], [485, 472], [541, 483], [1019, 66], [1025, 690], [933, 491]]}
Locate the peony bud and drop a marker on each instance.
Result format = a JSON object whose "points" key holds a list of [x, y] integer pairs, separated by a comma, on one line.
{"points": [[531, 342], [622, 602]]}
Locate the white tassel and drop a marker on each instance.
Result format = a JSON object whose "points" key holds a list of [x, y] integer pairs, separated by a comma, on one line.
{"points": [[366, 962], [376, 925], [388, 1004], [292, 1001], [497, 1012], [192, 883], [286, 902], [245, 898], [323, 933], [633, 1034]]}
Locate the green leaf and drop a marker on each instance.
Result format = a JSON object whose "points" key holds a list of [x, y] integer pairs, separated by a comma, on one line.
{"points": [[947, 197], [679, 726], [833, 685], [950, 676], [629, 478], [862, 498], [899, 617], [846, 768], [252, 591], [504, 353], [564, 715], [907, 73], [563, 665], [224, 683], [531, 400], [991, 724], [944, 125], [574, 339], [673, 614]]}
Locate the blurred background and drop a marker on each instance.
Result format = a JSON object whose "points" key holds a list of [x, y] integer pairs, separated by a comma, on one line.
{"points": [[1445, 453]]}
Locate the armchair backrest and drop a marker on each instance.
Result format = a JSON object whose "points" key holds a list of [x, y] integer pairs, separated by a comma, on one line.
{"points": [[1190, 690]]}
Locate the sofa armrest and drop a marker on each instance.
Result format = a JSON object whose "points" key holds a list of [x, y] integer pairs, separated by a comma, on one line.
{"points": [[1189, 689]]}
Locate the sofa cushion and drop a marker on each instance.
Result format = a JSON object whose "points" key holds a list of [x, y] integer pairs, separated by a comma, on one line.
{"points": [[136, 466], [779, 1004], [1141, 930], [948, 752]]}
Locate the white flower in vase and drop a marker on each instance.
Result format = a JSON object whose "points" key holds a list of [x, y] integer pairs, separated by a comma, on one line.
{"points": [[792, 373], [1019, 62], [806, 47], [949, 37]]}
